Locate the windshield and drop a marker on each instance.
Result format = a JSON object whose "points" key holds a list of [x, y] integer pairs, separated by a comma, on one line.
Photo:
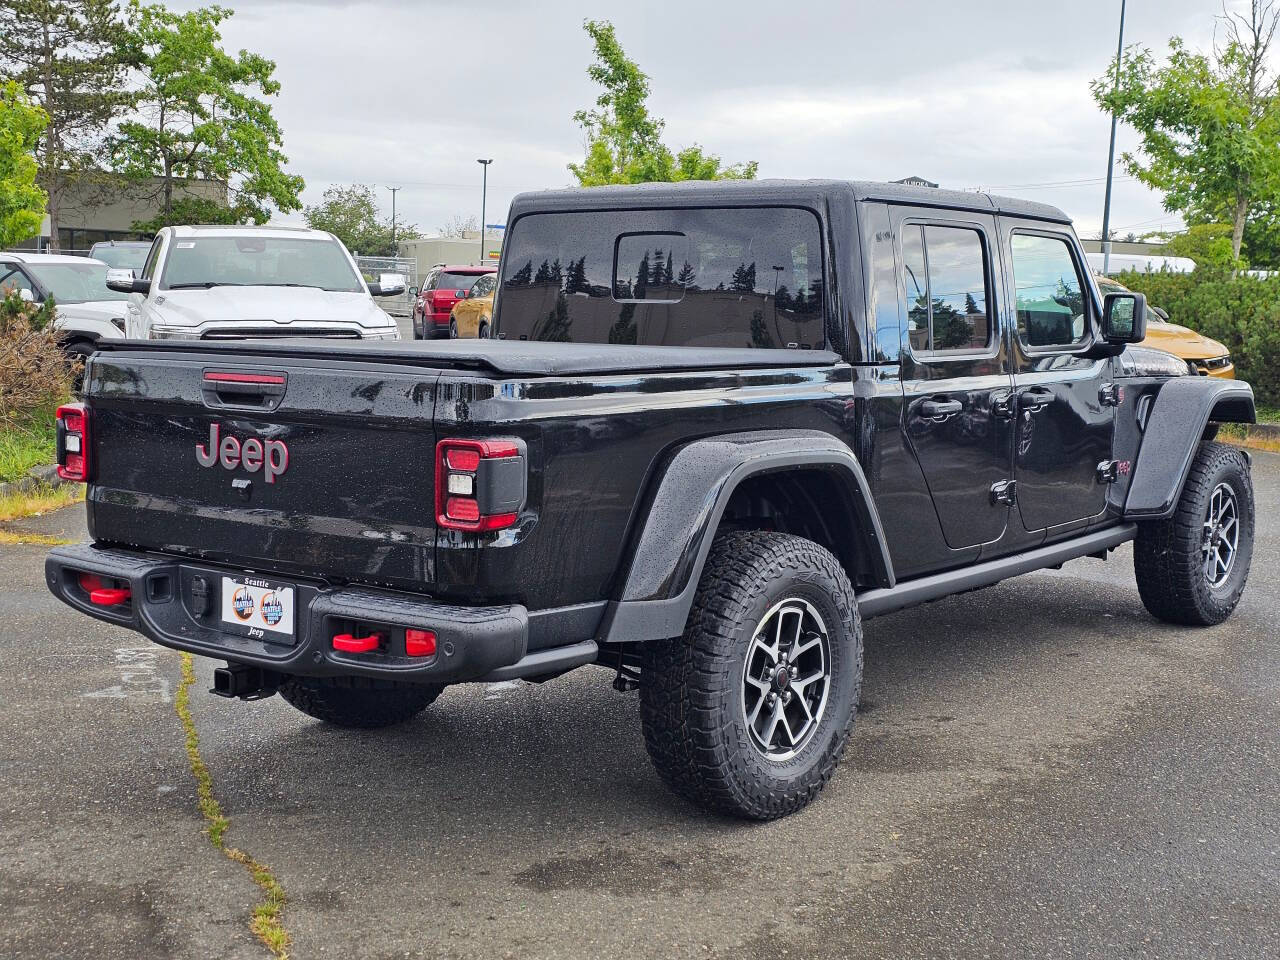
{"points": [[74, 282], [122, 256], [248, 261]]}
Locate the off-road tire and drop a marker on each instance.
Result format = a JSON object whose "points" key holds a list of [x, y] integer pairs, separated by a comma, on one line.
{"points": [[1168, 557], [361, 702], [453, 329], [690, 690], [483, 332]]}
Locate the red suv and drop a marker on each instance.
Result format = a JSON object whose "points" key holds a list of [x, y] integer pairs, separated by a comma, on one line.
{"points": [[441, 289]]}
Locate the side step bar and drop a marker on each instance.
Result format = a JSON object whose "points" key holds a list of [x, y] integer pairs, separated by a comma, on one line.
{"points": [[910, 593], [546, 663]]}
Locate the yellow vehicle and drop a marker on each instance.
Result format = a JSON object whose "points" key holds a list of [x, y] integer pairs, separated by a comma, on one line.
{"points": [[471, 317], [1204, 356]]}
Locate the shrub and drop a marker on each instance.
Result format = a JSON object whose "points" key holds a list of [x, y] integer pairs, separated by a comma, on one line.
{"points": [[1243, 312], [34, 372]]}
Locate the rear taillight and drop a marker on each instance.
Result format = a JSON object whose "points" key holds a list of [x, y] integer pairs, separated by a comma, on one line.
{"points": [[73, 442], [480, 484]]}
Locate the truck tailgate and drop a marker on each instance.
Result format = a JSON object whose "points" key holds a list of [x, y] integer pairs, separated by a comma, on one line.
{"points": [[293, 464]]}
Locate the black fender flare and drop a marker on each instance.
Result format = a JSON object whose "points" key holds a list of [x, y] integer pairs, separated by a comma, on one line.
{"points": [[685, 510], [1179, 414]]}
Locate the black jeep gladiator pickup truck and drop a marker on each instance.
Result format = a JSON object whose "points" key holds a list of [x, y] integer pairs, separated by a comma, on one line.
{"points": [[718, 427]]}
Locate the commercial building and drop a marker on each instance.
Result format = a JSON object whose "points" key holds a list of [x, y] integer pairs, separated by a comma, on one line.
{"points": [[97, 207]]}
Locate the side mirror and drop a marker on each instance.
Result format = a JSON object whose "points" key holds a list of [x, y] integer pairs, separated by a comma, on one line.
{"points": [[1124, 318], [122, 280], [413, 291], [388, 285], [26, 295], [1161, 313]]}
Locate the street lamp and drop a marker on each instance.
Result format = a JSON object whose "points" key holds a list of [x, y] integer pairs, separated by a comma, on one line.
{"points": [[484, 191], [395, 250], [1111, 155]]}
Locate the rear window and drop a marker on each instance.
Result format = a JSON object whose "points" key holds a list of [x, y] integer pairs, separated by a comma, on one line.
{"points": [[455, 281], [712, 277]]}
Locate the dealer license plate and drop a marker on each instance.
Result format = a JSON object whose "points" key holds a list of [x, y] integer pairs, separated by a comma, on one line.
{"points": [[256, 607]]}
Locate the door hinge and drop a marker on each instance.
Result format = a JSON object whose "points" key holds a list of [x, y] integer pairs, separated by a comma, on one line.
{"points": [[1109, 471], [1003, 404], [1111, 394], [1004, 491]]}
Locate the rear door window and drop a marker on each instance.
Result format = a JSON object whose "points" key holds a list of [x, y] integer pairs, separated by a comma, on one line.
{"points": [[945, 276], [704, 277]]}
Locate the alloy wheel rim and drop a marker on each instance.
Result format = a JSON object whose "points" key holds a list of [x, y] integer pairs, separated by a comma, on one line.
{"points": [[786, 679], [1221, 536]]}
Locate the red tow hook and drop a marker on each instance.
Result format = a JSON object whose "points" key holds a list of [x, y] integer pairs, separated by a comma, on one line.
{"points": [[101, 596], [349, 644], [109, 597]]}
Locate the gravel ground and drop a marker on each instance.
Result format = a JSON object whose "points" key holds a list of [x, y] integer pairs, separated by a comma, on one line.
{"points": [[1039, 769]]}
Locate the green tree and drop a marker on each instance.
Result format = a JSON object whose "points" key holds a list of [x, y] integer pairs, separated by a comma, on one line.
{"points": [[202, 114], [350, 213], [1209, 123], [21, 200], [69, 58], [624, 141], [1208, 244]]}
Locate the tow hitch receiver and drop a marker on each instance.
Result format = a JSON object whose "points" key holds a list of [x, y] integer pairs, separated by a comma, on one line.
{"points": [[245, 682]]}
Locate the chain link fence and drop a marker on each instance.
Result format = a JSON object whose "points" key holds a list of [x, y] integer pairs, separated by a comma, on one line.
{"points": [[371, 267]]}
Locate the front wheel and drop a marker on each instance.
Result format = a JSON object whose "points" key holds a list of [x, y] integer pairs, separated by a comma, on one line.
{"points": [[749, 711], [483, 332], [1192, 567], [360, 702], [453, 329]]}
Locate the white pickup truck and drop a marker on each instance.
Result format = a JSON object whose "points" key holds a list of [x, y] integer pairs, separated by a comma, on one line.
{"points": [[231, 282]]}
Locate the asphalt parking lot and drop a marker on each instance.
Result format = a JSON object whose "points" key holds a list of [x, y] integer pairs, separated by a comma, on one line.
{"points": [[1039, 770]]}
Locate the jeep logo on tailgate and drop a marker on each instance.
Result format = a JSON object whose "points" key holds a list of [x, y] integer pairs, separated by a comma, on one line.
{"points": [[269, 456]]}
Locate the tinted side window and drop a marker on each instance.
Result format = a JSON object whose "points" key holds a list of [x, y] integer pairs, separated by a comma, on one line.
{"points": [[712, 277], [945, 278], [149, 267], [1047, 291], [11, 278]]}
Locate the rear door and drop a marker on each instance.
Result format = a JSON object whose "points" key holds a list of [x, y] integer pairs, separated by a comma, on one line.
{"points": [[324, 469], [955, 370], [1065, 420]]}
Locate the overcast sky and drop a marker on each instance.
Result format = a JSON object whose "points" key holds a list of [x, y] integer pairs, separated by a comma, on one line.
{"points": [[969, 94]]}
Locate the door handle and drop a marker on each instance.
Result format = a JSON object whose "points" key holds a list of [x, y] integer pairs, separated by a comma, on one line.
{"points": [[1034, 399], [938, 408]]}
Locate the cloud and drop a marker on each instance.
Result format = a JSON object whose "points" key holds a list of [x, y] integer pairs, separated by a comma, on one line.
{"points": [[410, 93]]}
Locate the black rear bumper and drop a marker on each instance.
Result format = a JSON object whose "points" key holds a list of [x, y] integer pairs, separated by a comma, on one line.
{"points": [[472, 642]]}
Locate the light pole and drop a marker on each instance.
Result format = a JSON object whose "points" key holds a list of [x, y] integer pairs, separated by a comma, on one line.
{"points": [[395, 250], [1111, 154], [484, 192]]}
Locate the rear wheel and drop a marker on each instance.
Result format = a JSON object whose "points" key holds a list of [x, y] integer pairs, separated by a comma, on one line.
{"points": [[1192, 567], [749, 711], [78, 351], [362, 702]]}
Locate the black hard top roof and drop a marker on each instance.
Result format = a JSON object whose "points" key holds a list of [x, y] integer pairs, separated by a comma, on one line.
{"points": [[749, 192]]}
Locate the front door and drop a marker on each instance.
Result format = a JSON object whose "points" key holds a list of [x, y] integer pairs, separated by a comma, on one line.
{"points": [[955, 372], [1065, 420]]}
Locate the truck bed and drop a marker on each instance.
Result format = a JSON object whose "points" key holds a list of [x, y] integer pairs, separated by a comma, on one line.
{"points": [[518, 358]]}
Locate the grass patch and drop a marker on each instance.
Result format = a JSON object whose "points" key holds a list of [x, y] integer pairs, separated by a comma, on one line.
{"points": [[1268, 413], [15, 505], [267, 923], [26, 442], [9, 538], [1241, 436]]}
